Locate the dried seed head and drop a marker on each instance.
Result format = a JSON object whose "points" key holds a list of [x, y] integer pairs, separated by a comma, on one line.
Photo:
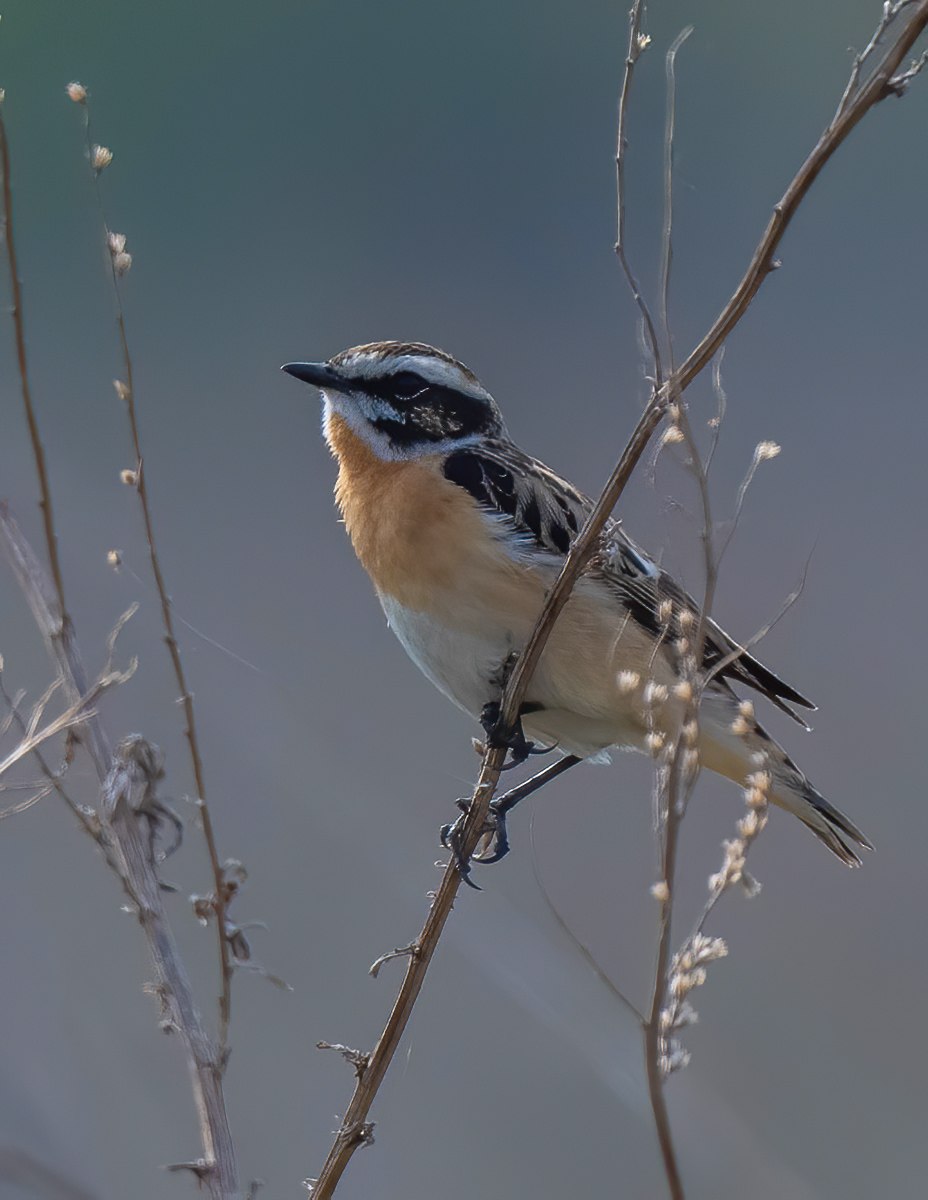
{"points": [[114, 559], [683, 691], [691, 733], [100, 157], [643, 41], [655, 693], [664, 612], [739, 726], [746, 709], [628, 681], [122, 262], [687, 621], [76, 92], [122, 389], [116, 242], [129, 478], [672, 435], [660, 891], [765, 450], [654, 742]]}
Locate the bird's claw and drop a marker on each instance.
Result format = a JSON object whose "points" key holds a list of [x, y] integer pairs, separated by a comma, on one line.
{"points": [[514, 740], [451, 836]]}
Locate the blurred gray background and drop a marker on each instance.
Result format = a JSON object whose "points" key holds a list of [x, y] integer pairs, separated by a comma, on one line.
{"points": [[294, 178]]}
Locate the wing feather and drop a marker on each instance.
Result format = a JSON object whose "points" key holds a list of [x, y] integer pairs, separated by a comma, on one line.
{"points": [[546, 513]]}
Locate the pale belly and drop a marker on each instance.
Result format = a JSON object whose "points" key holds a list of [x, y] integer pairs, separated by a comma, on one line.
{"points": [[583, 708]]}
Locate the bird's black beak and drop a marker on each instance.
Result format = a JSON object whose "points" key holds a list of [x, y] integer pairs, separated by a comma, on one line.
{"points": [[320, 375]]}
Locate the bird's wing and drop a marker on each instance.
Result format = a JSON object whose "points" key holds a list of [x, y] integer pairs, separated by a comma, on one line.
{"points": [[546, 512]]}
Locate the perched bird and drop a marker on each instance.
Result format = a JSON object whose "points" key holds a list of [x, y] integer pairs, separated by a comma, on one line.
{"points": [[462, 533]]}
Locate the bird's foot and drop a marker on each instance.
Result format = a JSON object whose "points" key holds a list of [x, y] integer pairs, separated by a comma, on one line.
{"points": [[452, 838], [514, 739]]}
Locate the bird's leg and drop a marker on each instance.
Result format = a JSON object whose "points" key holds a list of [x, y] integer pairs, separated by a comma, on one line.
{"points": [[495, 826], [503, 805], [514, 739]]}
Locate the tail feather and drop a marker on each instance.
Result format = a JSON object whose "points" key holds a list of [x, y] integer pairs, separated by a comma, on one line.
{"points": [[735, 752], [825, 821]]}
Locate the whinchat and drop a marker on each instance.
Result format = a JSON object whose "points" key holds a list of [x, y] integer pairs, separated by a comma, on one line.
{"points": [[463, 534]]}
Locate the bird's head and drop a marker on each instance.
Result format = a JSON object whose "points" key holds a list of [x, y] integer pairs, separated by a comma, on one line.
{"points": [[404, 399]]}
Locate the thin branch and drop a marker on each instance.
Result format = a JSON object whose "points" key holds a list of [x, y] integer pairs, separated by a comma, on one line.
{"points": [[126, 391], [127, 777], [588, 956], [637, 44], [667, 240], [355, 1129], [38, 451]]}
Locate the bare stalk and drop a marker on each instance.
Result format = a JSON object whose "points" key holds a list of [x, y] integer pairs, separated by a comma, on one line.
{"points": [[637, 43], [38, 451], [220, 896], [356, 1129], [127, 779]]}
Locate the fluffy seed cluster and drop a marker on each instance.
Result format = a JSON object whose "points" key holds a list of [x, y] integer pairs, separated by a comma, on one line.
{"points": [[687, 971], [122, 260], [100, 157]]}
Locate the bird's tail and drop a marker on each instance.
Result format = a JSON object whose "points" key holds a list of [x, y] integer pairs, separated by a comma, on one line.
{"points": [[737, 748]]}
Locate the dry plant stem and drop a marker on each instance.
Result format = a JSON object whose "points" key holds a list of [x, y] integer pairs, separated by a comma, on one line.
{"points": [[635, 47], [130, 852], [355, 1130], [170, 638], [45, 497]]}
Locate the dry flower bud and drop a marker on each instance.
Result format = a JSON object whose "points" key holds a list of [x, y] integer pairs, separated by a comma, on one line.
{"points": [[672, 435], [654, 742], [765, 450], [687, 621], [100, 157], [664, 612], [114, 559], [683, 691], [755, 798], [655, 693], [660, 891], [739, 726], [76, 92], [628, 681], [122, 389], [129, 478], [643, 41], [116, 242], [746, 709], [760, 780], [122, 262]]}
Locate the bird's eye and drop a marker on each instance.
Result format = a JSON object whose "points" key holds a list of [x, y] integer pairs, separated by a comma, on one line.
{"points": [[407, 385]]}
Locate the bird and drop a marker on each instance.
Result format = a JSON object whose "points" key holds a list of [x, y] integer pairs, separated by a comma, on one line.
{"points": [[462, 535]]}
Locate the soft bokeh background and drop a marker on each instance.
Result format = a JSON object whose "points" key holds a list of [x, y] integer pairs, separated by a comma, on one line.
{"points": [[295, 178]]}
